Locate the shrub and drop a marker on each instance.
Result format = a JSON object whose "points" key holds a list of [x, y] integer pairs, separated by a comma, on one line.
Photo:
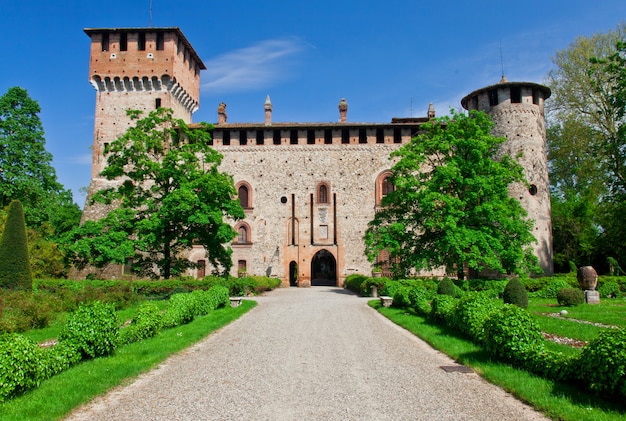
{"points": [[92, 330], [515, 293], [552, 287], [418, 299], [59, 358], [181, 309], [14, 263], [443, 309], [147, 323], [570, 297], [602, 363], [401, 297], [610, 289], [512, 335], [210, 300], [23, 310], [471, 312], [21, 368], [446, 287], [357, 283]]}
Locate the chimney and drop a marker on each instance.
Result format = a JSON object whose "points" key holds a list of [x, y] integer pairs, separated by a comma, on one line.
{"points": [[343, 110], [268, 111], [431, 111], [221, 114]]}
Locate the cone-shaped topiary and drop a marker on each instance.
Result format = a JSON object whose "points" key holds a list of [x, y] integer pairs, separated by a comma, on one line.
{"points": [[446, 287], [515, 293], [14, 264]]}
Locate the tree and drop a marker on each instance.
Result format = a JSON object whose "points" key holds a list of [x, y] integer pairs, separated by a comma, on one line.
{"points": [[170, 196], [26, 171], [450, 206], [14, 264]]}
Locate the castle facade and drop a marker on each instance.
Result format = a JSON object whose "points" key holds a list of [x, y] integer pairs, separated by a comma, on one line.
{"points": [[308, 189]]}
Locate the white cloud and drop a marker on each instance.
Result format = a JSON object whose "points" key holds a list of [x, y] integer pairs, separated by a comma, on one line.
{"points": [[84, 159], [258, 66]]}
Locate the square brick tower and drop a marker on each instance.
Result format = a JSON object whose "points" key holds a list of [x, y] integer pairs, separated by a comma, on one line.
{"points": [[138, 69]]}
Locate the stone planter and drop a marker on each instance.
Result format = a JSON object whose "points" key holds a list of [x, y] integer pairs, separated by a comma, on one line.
{"points": [[587, 278], [386, 301]]}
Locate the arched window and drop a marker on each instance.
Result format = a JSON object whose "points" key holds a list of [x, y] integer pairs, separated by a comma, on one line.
{"points": [[322, 193], [244, 193], [387, 186], [243, 234], [384, 186]]}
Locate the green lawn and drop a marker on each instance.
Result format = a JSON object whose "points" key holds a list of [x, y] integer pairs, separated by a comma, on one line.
{"points": [[56, 397]]}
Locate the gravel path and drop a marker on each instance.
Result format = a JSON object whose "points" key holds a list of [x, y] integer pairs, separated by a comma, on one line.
{"points": [[308, 354]]}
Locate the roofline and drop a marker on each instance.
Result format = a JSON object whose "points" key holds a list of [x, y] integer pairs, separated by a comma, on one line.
{"points": [[547, 92], [176, 29], [310, 125]]}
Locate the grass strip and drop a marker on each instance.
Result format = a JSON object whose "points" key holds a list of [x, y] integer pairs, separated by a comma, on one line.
{"points": [[558, 401], [58, 396]]}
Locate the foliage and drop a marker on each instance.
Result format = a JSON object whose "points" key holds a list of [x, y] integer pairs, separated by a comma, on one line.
{"points": [[14, 264], [147, 322], [21, 311], [443, 309], [515, 293], [570, 297], [419, 298], [512, 335], [20, 366], [27, 173], [181, 310], [170, 195], [471, 312], [450, 205], [610, 289], [91, 330], [446, 287], [551, 288], [602, 364], [358, 283]]}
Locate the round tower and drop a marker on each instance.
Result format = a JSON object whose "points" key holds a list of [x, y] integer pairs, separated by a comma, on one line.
{"points": [[517, 110]]}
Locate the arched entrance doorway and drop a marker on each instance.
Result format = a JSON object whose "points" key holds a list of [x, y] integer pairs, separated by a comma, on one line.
{"points": [[293, 274], [323, 269]]}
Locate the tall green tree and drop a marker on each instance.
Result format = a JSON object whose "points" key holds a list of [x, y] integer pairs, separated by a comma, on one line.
{"points": [[14, 263], [26, 171], [450, 206], [171, 196]]}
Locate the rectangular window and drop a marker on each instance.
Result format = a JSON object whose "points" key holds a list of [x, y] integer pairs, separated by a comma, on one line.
{"points": [[157, 103], [324, 232], [493, 97], [397, 135], [380, 135], [106, 148], [328, 137], [293, 137], [159, 41], [516, 95], [105, 42], [277, 138], [362, 136], [201, 269], [260, 138], [310, 137], [128, 268], [123, 41], [345, 136], [535, 97], [243, 137], [241, 266], [226, 138], [141, 41]]}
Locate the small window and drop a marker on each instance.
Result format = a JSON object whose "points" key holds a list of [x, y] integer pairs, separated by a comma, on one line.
{"points": [[157, 103], [362, 136], [244, 196], [123, 41], [226, 138], [277, 138], [260, 138], [387, 186], [310, 137], [105, 42], [141, 41], [242, 266], [328, 137], [345, 136], [293, 137], [322, 194], [380, 135], [242, 235], [536, 96], [159, 41], [516, 95], [397, 135], [201, 269], [493, 97], [243, 137]]}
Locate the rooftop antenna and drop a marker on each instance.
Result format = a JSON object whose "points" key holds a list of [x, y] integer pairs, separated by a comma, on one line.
{"points": [[150, 13], [502, 63], [411, 109]]}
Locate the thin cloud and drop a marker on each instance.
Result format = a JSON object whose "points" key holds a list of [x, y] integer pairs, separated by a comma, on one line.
{"points": [[75, 160], [251, 68]]}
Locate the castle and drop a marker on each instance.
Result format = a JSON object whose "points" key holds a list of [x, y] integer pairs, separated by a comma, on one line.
{"points": [[308, 189]]}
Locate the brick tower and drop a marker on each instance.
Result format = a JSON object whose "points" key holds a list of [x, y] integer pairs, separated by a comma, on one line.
{"points": [[139, 69], [517, 110]]}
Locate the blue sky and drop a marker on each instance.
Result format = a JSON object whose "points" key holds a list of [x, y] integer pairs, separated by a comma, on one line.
{"points": [[388, 59]]}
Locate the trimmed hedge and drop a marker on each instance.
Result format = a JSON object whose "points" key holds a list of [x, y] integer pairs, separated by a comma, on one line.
{"points": [[515, 293], [92, 330], [602, 363], [570, 297], [14, 262]]}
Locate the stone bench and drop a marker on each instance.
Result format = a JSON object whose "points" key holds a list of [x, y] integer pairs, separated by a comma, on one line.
{"points": [[235, 301], [386, 301]]}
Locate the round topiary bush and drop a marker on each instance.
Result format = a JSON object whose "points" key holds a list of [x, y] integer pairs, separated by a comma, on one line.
{"points": [[512, 335], [92, 330], [602, 363], [446, 287], [610, 289], [21, 368], [570, 297], [515, 293], [471, 312]]}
